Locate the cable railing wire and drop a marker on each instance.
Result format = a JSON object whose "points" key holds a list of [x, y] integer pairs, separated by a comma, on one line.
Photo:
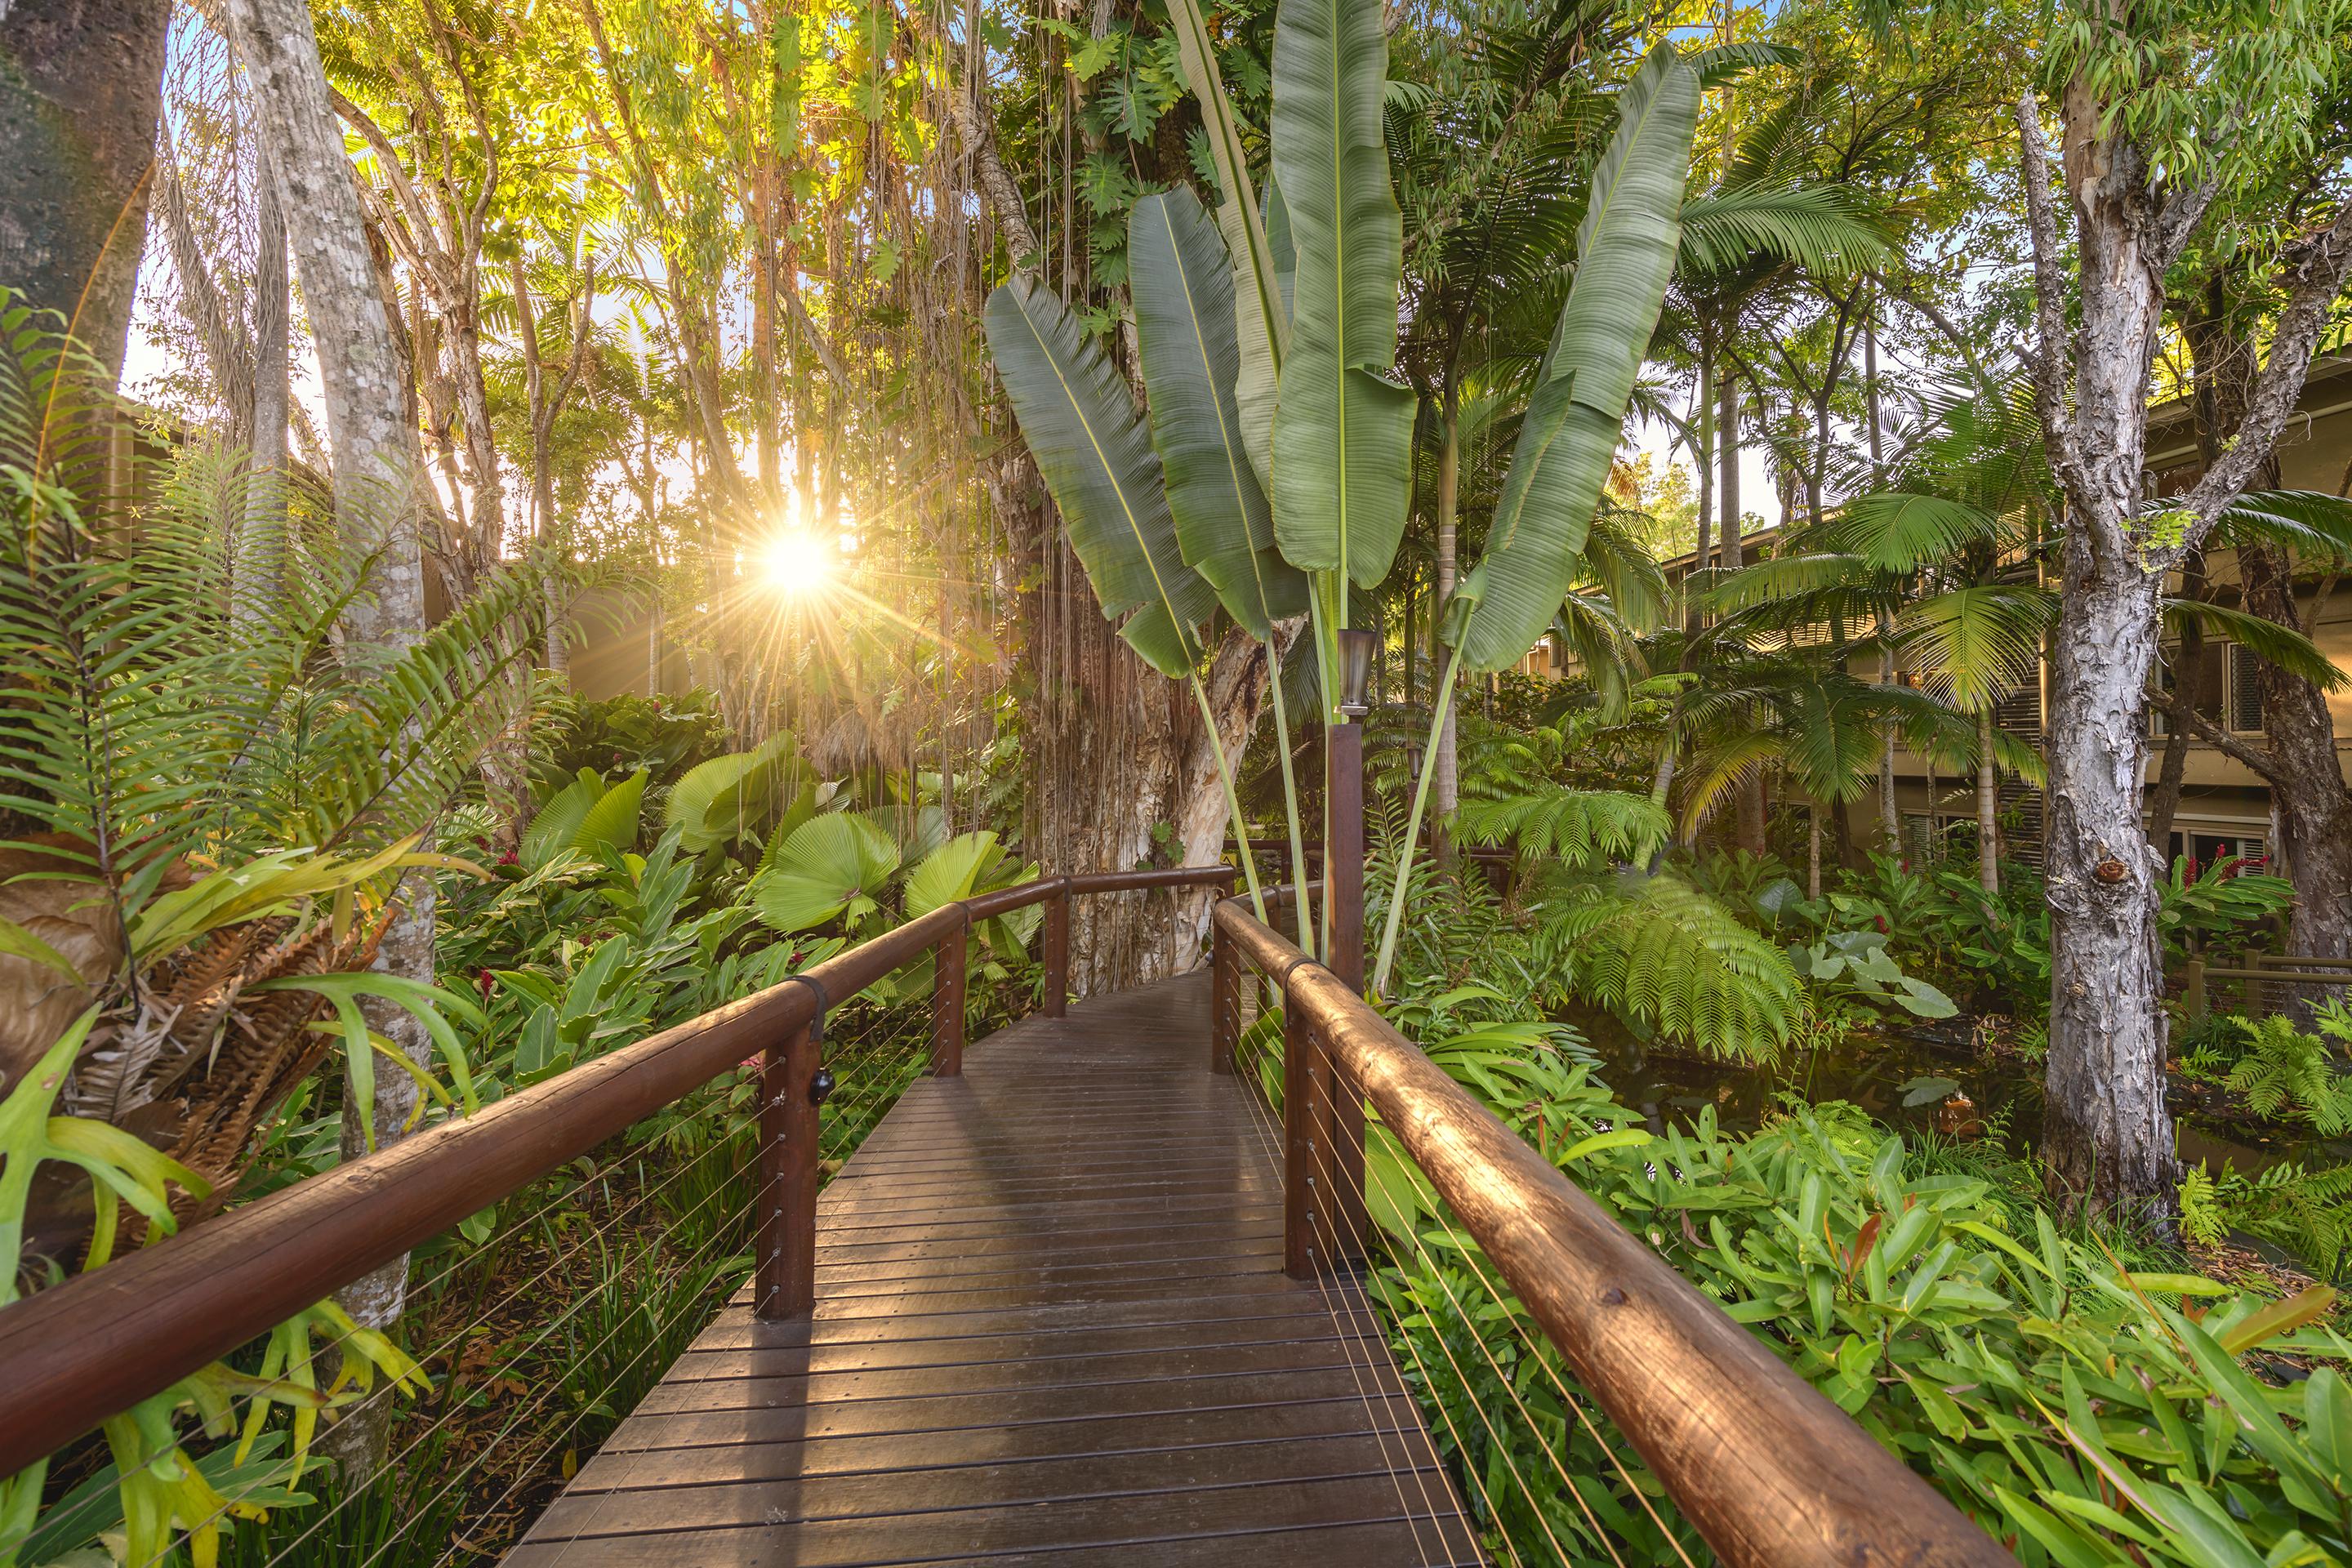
{"points": [[874, 1062]]}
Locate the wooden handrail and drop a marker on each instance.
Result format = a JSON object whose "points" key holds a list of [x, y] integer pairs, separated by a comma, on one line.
{"points": [[1770, 1473], [2261, 968], [101, 1341]]}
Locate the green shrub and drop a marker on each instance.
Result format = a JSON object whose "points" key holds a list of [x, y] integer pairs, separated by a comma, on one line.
{"points": [[2078, 1397], [618, 736]]}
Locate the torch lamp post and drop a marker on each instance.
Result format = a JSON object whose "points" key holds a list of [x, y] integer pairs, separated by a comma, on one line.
{"points": [[1343, 812]]}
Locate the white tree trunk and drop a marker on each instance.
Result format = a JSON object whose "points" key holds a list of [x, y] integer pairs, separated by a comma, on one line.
{"points": [[2106, 1134], [261, 541], [377, 510], [2106, 1130]]}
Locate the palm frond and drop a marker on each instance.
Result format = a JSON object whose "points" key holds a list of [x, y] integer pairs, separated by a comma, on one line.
{"points": [[1896, 531], [2289, 649], [1582, 827], [1985, 638], [1822, 228], [2313, 523]]}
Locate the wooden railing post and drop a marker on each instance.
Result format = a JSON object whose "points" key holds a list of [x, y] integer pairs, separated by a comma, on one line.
{"points": [[1224, 1005], [2254, 997], [947, 1002], [2192, 988], [1057, 951], [1303, 1117], [1340, 1194], [785, 1266]]}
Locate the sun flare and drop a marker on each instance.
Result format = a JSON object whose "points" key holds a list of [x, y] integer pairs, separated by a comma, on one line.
{"points": [[796, 563]]}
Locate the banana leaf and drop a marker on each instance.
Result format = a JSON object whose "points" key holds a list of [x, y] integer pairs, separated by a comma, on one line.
{"points": [[1092, 449], [1254, 289], [1261, 367], [1342, 431], [1183, 289], [1625, 257]]}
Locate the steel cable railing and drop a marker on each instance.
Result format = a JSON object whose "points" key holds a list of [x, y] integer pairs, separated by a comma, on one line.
{"points": [[1515, 1304], [695, 1203]]}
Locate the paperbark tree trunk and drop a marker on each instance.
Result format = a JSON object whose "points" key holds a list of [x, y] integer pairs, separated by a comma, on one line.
{"points": [[81, 88], [2106, 1134], [377, 510], [261, 541], [2309, 800]]}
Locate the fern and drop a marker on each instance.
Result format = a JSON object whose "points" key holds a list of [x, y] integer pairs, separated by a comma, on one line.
{"points": [[2286, 1075], [1664, 955], [2309, 1211], [147, 724], [1582, 828]]}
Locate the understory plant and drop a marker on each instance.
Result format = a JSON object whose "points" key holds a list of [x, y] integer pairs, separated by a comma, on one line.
{"points": [[213, 811], [2082, 1399]]}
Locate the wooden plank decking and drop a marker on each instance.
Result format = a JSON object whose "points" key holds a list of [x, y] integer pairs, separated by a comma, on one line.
{"points": [[1052, 1327]]}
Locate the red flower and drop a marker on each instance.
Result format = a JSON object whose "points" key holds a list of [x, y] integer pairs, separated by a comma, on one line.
{"points": [[487, 980], [509, 859]]}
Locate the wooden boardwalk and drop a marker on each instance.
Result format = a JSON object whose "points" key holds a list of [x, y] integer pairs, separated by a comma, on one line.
{"points": [[1052, 1327]]}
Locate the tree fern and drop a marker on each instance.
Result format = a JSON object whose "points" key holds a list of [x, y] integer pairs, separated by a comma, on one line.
{"points": [[1582, 828], [1664, 956]]}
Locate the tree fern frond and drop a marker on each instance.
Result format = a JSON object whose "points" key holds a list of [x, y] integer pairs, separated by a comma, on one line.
{"points": [[1662, 954], [1582, 828]]}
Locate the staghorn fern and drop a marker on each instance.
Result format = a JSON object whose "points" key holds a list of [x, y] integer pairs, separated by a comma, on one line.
{"points": [[1664, 956]]}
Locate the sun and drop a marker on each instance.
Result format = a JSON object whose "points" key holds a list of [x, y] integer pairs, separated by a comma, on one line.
{"points": [[796, 563]]}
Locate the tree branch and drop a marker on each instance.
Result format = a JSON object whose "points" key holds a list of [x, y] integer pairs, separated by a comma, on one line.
{"points": [[2176, 219], [1003, 194], [2313, 275], [1942, 323], [2235, 749], [583, 310], [423, 237], [2052, 367]]}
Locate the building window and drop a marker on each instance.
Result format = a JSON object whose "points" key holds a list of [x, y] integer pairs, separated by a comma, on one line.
{"points": [[2226, 686], [2245, 691]]}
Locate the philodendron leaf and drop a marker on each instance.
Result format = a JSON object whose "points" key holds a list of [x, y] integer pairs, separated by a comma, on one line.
{"points": [[1183, 289], [1092, 449], [1921, 1091], [1922, 1000]]}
